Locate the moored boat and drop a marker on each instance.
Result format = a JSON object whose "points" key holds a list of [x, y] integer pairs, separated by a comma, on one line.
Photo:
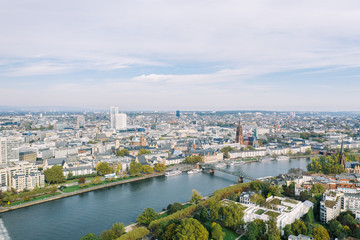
{"points": [[172, 173]]}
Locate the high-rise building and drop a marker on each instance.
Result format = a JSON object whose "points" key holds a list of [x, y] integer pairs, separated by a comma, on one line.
{"points": [[113, 111], [178, 113], [9, 150], [239, 134], [120, 121], [80, 121]]}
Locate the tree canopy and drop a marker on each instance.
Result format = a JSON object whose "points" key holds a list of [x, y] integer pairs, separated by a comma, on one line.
{"points": [[195, 198], [216, 232], [193, 159], [103, 168], [191, 229], [135, 168], [122, 152], [326, 165], [147, 216], [159, 167], [54, 174]]}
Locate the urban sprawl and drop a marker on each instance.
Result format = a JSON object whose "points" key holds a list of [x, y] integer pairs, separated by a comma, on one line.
{"points": [[44, 155]]}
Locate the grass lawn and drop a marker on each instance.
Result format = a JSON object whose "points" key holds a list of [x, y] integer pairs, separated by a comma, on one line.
{"points": [[272, 214], [259, 212], [291, 201], [76, 180], [230, 234], [33, 199]]}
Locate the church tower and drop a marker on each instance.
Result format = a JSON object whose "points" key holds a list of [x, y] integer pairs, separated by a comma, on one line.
{"points": [[342, 154], [239, 134]]}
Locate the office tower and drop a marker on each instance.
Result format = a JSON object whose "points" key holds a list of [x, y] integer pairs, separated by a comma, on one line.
{"points": [[113, 111], [120, 121], [178, 113], [9, 150]]}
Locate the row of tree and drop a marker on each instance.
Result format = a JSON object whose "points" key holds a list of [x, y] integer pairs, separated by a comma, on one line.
{"points": [[55, 175], [326, 165]]}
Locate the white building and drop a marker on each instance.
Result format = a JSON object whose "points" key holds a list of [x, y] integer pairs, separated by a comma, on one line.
{"points": [[284, 210], [113, 111], [120, 121], [330, 206], [9, 150], [21, 175], [245, 198]]}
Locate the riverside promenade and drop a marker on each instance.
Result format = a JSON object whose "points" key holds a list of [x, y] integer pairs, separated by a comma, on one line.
{"points": [[64, 195]]}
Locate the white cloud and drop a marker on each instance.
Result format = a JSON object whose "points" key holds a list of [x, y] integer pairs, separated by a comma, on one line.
{"points": [[233, 42]]}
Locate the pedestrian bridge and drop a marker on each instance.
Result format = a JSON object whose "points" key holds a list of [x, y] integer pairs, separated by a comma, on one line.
{"points": [[238, 173]]}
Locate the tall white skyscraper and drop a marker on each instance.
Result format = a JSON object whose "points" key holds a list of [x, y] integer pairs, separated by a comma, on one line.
{"points": [[113, 111], [9, 150], [120, 121], [117, 120]]}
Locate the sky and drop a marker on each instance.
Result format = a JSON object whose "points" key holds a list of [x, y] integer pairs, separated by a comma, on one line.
{"points": [[187, 55]]}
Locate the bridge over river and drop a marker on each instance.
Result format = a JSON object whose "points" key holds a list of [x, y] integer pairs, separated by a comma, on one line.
{"points": [[238, 173]]}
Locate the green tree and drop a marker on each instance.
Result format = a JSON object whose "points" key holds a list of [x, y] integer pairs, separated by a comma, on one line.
{"points": [[137, 233], [147, 216], [256, 185], [122, 152], [143, 152], [195, 198], [273, 232], [308, 151], [148, 169], [204, 215], [226, 151], [231, 214], [105, 235], [326, 165], [252, 231], [298, 227], [90, 236], [116, 230], [172, 208], [193, 159], [320, 233], [287, 231], [191, 229], [317, 189], [54, 174], [160, 167], [214, 207], [309, 217], [216, 232], [170, 231], [70, 176], [103, 168], [135, 168], [257, 199]]}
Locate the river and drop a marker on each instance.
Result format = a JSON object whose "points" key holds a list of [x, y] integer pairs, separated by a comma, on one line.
{"points": [[73, 217]]}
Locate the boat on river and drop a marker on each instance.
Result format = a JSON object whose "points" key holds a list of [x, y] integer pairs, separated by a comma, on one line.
{"points": [[266, 159], [195, 170], [283, 158], [173, 173]]}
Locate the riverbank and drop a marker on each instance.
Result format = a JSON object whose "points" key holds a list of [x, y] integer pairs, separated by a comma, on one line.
{"points": [[65, 195]]}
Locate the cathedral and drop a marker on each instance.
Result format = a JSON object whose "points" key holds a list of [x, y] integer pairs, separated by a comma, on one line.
{"points": [[239, 134]]}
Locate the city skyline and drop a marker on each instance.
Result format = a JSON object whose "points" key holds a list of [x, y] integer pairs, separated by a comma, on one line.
{"points": [[166, 56]]}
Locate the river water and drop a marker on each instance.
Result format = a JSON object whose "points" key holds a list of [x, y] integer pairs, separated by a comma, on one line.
{"points": [[73, 217]]}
